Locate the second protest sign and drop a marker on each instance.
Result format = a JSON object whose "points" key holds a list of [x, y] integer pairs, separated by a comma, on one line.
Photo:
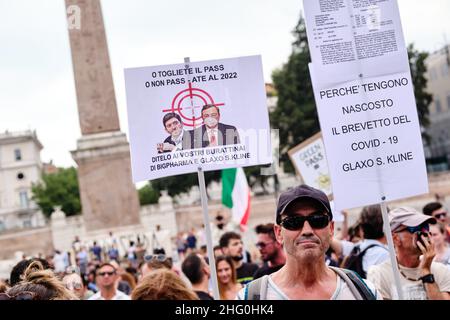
{"points": [[373, 140]]}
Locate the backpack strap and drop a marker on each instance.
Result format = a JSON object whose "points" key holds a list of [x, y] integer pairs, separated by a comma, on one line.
{"points": [[371, 246], [355, 283], [256, 289]]}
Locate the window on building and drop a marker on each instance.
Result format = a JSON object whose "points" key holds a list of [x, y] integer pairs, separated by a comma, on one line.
{"points": [[448, 101], [2, 226], [432, 74], [437, 103], [24, 201], [445, 69], [20, 176], [27, 223], [17, 154]]}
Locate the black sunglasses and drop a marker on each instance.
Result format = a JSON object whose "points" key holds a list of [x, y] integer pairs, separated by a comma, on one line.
{"points": [[25, 295], [440, 215], [106, 273], [295, 223], [419, 228]]}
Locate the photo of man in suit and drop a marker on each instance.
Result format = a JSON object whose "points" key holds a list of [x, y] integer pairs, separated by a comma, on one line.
{"points": [[214, 133], [178, 139]]}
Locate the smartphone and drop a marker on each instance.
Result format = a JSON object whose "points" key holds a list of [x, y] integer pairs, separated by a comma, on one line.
{"points": [[419, 237]]}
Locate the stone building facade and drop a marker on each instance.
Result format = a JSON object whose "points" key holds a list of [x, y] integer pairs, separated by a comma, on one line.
{"points": [[20, 167], [438, 75]]}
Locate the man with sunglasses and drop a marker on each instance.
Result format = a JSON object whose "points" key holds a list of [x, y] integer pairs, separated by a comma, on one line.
{"points": [[270, 249], [304, 228], [421, 278], [437, 211], [106, 282]]}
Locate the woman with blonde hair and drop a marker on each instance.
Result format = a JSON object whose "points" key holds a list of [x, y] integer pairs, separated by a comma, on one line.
{"points": [[162, 284], [38, 284], [226, 277]]}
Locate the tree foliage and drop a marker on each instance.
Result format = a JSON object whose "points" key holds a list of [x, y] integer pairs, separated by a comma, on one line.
{"points": [[295, 115], [255, 178], [58, 189], [423, 98], [148, 195]]}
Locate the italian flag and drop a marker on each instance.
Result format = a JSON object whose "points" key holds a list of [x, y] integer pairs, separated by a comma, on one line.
{"points": [[236, 195]]}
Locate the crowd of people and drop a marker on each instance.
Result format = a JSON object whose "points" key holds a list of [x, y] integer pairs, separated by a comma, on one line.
{"points": [[300, 257]]}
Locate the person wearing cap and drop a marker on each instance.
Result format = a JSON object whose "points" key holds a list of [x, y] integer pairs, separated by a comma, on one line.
{"points": [[304, 228], [420, 277], [106, 282]]}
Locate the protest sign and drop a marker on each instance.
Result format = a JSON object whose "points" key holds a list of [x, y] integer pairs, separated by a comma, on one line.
{"points": [[349, 38], [172, 108], [365, 101], [310, 163], [372, 137]]}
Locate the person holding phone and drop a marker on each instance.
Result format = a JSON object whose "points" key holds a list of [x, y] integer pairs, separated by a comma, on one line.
{"points": [[421, 278]]}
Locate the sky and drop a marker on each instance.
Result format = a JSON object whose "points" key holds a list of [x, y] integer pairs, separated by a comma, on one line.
{"points": [[37, 90]]}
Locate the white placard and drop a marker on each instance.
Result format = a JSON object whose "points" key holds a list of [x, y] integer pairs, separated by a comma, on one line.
{"points": [[349, 38], [372, 137], [235, 89], [310, 161], [338, 216]]}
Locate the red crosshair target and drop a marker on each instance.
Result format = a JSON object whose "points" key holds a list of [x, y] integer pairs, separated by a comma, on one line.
{"points": [[188, 104]]}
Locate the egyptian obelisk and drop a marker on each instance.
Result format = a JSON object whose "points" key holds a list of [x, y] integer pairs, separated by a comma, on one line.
{"points": [[108, 196]]}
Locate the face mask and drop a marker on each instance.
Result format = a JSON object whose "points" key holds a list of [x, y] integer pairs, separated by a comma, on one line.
{"points": [[210, 121]]}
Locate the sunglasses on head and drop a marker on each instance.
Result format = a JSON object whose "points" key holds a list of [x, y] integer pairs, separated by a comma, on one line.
{"points": [[419, 228], [74, 286], [72, 269], [26, 295], [157, 257], [316, 221], [109, 273]]}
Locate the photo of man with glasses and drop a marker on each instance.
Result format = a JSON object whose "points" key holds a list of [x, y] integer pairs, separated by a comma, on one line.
{"points": [[271, 251]]}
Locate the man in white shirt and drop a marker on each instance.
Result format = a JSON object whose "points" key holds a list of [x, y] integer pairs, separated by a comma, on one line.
{"points": [[106, 276]]}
